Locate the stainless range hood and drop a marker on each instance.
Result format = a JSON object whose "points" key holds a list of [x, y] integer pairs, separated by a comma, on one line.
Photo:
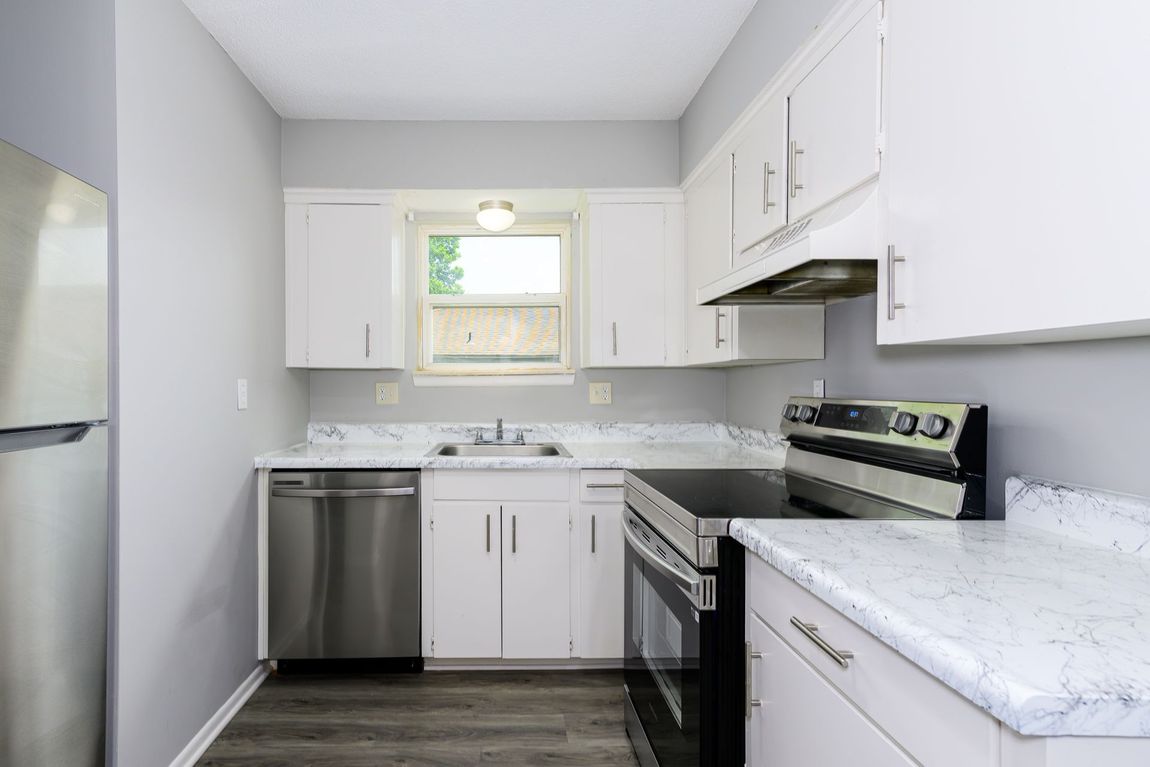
{"points": [[831, 254]]}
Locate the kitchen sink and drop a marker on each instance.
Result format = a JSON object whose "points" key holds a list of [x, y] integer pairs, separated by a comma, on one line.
{"points": [[469, 449]]}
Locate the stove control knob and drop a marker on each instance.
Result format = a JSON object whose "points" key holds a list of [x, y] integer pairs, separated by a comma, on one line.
{"points": [[904, 423], [789, 412], [806, 414], [933, 425]]}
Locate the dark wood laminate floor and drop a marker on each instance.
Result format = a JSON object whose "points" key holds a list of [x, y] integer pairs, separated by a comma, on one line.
{"points": [[434, 718]]}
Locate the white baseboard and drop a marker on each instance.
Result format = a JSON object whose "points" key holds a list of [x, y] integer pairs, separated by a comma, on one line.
{"points": [[214, 726]]}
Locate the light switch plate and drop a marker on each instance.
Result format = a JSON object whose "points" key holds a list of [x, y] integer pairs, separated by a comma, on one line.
{"points": [[820, 388], [387, 393], [601, 393], [241, 394]]}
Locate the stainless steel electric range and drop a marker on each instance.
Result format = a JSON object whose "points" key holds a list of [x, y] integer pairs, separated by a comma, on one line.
{"points": [[846, 459]]}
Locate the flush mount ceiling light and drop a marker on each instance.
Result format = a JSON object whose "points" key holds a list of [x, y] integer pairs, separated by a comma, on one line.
{"points": [[495, 215]]}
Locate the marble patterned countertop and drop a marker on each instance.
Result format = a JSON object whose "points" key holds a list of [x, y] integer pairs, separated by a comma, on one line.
{"points": [[591, 445], [1042, 620]]}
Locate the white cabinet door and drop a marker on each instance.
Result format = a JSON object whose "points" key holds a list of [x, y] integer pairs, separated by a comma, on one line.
{"points": [[802, 718], [347, 254], [1015, 184], [536, 580], [344, 284], [708, 257], [466, 576], [834, 120], [760, 205], [601, 580], [628, 245]]}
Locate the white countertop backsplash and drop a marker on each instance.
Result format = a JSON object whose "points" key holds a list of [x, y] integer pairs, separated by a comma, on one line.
{"points": [[1048, 631], [602, 445]]}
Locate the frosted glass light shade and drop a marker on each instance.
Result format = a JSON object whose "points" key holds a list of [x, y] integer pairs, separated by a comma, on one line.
{"points": [[495, 215]]}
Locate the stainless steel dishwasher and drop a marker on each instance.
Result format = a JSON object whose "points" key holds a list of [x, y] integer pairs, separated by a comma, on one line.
{"points": [[343, 565]]}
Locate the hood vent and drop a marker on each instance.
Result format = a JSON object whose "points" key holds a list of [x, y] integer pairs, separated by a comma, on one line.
{"points": [[831, 254]]}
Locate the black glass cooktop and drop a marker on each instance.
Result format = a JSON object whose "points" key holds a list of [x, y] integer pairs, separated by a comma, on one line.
{"points": [[750, 493]]}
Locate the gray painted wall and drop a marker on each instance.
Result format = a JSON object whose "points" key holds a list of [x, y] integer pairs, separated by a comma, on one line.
{"points": [[58, 84], [638, 395], [773, 31], [201, 302], [479, 155], [1074, 412]]}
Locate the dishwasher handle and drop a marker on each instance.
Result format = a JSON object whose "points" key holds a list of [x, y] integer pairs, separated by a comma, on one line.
{"points": [[362, 492]]}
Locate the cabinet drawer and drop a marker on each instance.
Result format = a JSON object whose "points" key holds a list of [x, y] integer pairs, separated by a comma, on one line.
{"points": [[501, 485], [933, 722], [601, 486]]}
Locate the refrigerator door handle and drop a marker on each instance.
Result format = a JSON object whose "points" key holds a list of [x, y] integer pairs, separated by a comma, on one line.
{"points": [[13, 440]]}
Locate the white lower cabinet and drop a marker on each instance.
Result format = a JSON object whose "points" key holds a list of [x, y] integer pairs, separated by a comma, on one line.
{"points": [[601, 568], [523, 565], [466, 578], [801, 718], [879, 708], [536, 580], [499, 582]]}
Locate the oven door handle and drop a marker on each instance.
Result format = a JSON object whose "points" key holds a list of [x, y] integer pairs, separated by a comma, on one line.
{"points": [[681, 579]]}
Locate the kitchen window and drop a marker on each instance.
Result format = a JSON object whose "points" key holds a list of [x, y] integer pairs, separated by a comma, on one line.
{"points": [[495, 304]]}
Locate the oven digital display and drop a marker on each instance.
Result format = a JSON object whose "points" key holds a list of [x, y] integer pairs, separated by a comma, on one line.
{"points": [[864, 418]]}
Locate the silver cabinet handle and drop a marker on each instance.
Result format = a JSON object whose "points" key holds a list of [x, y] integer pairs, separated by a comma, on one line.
{"points": [[794, 174], [488, 533], [363, 492], [891, 260], [605, 486], [809, 630], [614, 339], [592, 533], [750, 656], [768, 171], [512, 533], [367, 340], [718, 328]]}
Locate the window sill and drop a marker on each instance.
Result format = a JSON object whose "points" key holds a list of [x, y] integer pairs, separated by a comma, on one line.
{"points": [[530, 379]]}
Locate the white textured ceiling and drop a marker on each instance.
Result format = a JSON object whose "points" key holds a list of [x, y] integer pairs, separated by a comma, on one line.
{"points": [[475, 59]]}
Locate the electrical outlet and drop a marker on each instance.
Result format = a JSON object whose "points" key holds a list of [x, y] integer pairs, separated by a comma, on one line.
{"points": [[387, 393], [601, 393], [241, 394], [820, 388]]}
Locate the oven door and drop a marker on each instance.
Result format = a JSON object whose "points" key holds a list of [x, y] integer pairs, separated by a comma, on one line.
{"points": [[666, 615]]}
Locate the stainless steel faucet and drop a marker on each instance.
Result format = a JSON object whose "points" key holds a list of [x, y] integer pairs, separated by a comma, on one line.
{"points": [[498, 429]]}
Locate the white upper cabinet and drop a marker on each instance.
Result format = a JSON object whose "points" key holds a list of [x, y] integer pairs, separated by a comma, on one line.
{"points": [[344, 280], [1015, 172], [760, 187], [708, 257], [834, 120], [632, 312], [732, 335]]}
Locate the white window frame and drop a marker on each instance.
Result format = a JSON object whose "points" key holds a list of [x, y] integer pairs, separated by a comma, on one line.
{"points": [[454, 373]]}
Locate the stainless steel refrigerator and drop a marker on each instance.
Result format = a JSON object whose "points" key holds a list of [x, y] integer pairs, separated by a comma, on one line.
{"points": [[53, 465]]}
